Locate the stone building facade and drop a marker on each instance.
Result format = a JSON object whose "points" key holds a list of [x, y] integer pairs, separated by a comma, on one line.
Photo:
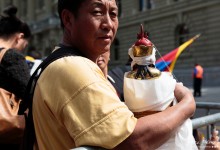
{"points": [[168, 22]]}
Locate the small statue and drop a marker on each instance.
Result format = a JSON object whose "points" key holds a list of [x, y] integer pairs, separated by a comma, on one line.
{"points": [[143, 56], [148, 91]]}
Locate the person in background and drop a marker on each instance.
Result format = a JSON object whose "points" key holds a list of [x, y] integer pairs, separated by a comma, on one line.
{"points": [[102, 62], [117, 75], [213, 143], [33, 59], [14, 76], [75, 105], [197, 79], [32, 52]]}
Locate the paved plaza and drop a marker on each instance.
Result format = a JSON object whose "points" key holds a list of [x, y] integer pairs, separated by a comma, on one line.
{"points": [[209, 94]]}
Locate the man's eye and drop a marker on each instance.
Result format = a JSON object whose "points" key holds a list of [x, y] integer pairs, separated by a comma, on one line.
{"points": [[98, 13], [114, 14]]}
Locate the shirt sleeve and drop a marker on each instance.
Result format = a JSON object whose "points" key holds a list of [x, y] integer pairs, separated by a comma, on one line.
{"points": [[100, 119]]}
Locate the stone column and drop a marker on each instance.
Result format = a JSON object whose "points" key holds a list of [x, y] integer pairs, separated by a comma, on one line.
{"points": [[31, 8], [48, 5]]}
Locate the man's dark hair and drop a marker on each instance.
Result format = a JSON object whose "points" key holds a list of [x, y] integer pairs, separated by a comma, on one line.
{"points": [[10, 24], [71, 5]]}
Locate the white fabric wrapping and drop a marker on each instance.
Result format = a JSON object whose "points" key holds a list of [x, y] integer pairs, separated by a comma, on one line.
{"points": [[157, 94], [154, 94], [182, 139]]}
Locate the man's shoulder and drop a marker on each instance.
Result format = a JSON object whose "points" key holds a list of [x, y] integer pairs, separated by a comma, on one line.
{"points": [[75, 66], [76, 62]]}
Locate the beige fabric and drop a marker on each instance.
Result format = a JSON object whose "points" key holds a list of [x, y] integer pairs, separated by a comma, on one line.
{"points": [[10, 124], [9, 102], [75, 105]]}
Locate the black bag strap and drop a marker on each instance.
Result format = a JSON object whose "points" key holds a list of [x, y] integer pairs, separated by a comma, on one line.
{"points": [[29, 134]]}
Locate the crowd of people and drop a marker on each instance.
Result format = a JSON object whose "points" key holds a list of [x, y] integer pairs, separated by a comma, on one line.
{"points": [[74, 104]]}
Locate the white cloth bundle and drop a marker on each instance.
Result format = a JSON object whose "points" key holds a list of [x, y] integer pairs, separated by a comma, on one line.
{"points": [[156, 95], [152, 94]]}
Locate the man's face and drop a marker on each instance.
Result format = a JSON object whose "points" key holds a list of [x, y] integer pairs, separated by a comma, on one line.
{"points": [[94, 29]]}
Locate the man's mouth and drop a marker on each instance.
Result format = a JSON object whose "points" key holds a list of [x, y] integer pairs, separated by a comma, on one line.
{"points": [[107, 37], [99, 62]]}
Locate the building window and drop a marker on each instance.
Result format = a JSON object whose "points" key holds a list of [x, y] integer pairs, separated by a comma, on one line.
{"points": [[181, 34], [115, 50], [141, 5], [145, 5], [149, 4]]}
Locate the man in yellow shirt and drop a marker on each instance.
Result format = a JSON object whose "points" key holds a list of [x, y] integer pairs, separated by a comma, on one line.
{"points": [[75, 105]]}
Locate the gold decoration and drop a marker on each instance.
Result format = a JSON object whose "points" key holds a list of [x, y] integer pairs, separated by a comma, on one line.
{"points": [[155, 73], [142, 50]]}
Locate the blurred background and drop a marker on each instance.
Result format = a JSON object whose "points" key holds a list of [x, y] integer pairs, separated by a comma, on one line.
{"points": [[169, 23]]}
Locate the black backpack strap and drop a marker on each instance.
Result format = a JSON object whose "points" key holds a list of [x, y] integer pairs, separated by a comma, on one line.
{"points": [[59, 53], [29, 135]]}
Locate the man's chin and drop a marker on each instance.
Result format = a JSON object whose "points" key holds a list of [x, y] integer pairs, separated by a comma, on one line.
{"points": [[107, 48]]}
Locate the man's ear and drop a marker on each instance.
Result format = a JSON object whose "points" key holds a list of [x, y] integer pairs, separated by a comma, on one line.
{"points": [[67, 18]]}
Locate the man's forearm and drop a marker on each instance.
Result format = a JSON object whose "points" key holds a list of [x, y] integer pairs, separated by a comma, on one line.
{"points": [[154, 130]]}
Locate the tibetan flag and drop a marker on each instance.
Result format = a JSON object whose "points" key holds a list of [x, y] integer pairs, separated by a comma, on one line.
{"points": [[167, 62]]}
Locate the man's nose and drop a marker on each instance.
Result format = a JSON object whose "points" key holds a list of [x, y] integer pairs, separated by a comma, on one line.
{"points": [[107, 22]]}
